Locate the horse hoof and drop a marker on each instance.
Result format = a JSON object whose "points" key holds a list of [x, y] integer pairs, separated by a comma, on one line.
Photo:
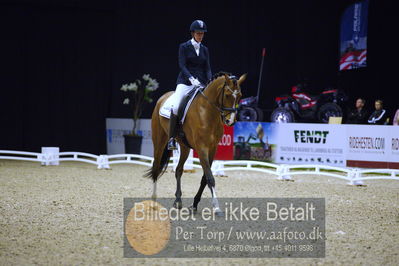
{"points": [[178, 205]]}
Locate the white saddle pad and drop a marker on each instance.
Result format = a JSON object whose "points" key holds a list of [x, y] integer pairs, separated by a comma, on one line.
{"points": [[173, 101]]}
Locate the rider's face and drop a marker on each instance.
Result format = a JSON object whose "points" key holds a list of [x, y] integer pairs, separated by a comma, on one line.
{"points": [[198, 36]]}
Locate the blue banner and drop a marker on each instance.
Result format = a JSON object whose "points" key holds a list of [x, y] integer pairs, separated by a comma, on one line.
{"points": [[354, 36]]}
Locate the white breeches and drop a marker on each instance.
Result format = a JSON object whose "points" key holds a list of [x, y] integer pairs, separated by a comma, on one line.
{"points": [[180, 92]]}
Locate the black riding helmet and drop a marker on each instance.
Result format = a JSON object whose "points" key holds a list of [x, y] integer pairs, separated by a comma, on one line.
{"points": [[198, 25]]}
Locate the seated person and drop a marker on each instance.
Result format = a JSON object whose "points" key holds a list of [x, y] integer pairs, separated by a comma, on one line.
{"points": [[359, 114], [379, 116], [396, 118]]}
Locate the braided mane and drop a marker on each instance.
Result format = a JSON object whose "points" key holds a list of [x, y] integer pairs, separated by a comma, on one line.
{"points": [[219, 74]]}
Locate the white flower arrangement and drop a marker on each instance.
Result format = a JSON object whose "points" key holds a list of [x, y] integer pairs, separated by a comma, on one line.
{"points": [[138, 94]]}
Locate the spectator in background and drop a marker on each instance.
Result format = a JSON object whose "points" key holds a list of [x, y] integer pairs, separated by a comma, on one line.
{"points": [[396, 118], [379, 116], [359, 114]]}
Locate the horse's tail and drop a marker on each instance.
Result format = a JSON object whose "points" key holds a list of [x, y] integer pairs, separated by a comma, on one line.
{"points": [[159, 139], [157, 170]]}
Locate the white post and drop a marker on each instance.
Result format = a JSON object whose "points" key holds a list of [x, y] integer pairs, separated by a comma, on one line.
{"points": [[354, 173], [216, 166], [102, 162], [190, 160], [50, 155], [176, 156], [283, 174]]}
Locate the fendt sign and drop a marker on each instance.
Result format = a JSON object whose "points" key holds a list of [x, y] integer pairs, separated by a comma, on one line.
{"points": [[310, 136]]}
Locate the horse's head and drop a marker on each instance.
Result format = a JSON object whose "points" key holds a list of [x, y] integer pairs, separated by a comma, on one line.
{"points": [[230, 97]]}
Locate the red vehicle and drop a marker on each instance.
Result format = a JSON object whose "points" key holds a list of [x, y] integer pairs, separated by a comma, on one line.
{"points": [[248, 110], [300, 106]]}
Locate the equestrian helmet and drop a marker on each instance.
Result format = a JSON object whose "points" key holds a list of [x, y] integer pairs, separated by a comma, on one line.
{"points": [[198, 25]]}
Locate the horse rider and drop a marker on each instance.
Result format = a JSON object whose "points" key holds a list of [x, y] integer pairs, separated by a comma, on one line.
{"points": [[195, 70]]}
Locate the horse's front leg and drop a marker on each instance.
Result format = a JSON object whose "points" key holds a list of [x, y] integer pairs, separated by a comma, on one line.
{"points": [[210, 180], [184, 152]]}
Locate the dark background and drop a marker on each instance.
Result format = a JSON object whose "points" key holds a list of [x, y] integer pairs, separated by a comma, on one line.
{"points": [[63, 62]]}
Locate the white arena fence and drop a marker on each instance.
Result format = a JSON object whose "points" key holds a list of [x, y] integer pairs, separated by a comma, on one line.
{"points": [[354, 176]]}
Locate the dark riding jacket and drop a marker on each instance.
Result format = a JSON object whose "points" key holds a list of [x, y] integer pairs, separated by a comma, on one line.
{"points": [[191, 64], [357, 116]]}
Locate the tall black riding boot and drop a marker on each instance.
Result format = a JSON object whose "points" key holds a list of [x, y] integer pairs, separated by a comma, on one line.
{"points": [[172, 132]]}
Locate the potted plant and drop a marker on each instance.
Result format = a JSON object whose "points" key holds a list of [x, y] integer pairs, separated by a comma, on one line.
{"points": [[138, 92]]}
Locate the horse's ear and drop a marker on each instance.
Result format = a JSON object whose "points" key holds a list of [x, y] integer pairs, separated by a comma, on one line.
{"points": [[242, 78]]}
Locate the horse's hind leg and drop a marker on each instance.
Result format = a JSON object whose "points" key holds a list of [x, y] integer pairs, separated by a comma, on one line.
{"points": [[184, 152]]}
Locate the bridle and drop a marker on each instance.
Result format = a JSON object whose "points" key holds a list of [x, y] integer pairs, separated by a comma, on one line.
{"points": [[224, 111]]}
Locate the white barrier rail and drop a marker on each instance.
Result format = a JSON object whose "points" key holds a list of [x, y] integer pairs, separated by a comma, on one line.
{"points": [[355, 176]]}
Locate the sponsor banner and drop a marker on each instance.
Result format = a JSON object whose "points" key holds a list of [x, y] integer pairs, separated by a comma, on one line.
{"points": [[254, 141], [372, 146], [225, 147], [117, 127], [310, 144], [394, 151], [354, 36], [292, 143]]}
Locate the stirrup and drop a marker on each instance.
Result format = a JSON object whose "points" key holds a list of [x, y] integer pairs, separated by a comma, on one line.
{"points": [[172, 144]]}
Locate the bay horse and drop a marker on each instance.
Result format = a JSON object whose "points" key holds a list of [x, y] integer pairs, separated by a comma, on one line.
{"points": [[202, 128]]}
